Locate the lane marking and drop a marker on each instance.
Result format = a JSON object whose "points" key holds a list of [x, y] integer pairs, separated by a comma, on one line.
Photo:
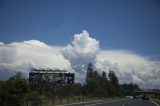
{"points": [[106, 102], [83, 102], [154, 102]]}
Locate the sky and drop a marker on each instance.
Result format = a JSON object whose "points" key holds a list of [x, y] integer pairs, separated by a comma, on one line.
{"points": [[107, 31]]}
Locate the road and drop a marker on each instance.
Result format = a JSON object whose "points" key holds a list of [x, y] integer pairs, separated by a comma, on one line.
{"points": [[122, 102]]}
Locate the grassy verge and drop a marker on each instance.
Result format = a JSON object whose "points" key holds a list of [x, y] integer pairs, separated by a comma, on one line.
{"points": [[157, 100], [71, 100], [48, 101]]}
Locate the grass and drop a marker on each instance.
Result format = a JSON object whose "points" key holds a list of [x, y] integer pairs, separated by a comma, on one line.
{"points": [[48, 101], [157, 100], [71, 100]]}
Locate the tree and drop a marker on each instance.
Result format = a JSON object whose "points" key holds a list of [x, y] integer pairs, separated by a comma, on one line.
{"points": [[114, 81], [128, 89], [89, 71], [104, 77], [113, 78], [91, 80], [13, 90]]}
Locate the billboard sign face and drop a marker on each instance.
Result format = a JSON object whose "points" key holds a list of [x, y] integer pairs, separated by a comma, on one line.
{"points": [[50, 77], [60, 78], [34, 77], [67, 78]]}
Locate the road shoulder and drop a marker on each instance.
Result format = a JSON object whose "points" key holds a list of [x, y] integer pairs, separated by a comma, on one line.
{"points": [[90, 103], [155, 101]]}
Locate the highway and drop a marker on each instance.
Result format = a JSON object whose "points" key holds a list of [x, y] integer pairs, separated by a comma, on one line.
{"points": [[122, 102]]}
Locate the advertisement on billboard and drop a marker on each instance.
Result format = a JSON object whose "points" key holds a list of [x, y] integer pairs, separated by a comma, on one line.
{"points": [[59, 78]]}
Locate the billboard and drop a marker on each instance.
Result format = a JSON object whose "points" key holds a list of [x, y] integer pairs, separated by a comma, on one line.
{"points": [[59, 78]]}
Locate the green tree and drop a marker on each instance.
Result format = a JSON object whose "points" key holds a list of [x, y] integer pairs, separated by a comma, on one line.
{"points": [[91, 80], [13, 90], [114, 81], [89, 71], [99, 85], [104, 77], [128, 89]]}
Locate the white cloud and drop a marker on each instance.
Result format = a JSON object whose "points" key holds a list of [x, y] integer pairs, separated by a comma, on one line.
{"points": [[21, 56], [129, 66], [82, 50], [1, 43]]}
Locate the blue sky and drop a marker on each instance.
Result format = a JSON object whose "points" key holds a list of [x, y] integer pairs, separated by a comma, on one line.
{"points": [[117, 24]]}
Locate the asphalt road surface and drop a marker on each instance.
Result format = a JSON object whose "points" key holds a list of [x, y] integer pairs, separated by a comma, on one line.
{"points": [[124, 102]]}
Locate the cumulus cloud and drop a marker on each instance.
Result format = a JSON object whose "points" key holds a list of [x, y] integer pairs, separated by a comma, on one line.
{"points": [[82, 50], [129, 66], [21, 56]]}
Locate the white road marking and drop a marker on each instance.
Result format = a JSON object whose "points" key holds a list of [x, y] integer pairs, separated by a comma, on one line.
{"points": [[84, 102], [154, 102], [105, 102]]}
